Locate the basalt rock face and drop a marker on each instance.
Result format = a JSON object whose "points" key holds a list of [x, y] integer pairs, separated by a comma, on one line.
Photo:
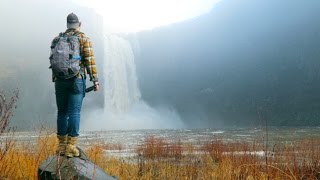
{"points": [[61, 167], [244, 64]]}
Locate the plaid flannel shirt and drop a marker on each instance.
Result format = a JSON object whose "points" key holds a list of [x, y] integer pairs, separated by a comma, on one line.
{"points": [[88, 63]]}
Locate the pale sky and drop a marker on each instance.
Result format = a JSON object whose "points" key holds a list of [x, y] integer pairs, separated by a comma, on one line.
{"points": [[138, 15]]}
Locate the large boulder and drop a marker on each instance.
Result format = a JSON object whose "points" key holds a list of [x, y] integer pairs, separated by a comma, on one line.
{"points": [[61, 167]]}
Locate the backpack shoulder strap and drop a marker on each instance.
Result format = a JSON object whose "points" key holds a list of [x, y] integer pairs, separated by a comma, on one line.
{"points": [[56, 40]]}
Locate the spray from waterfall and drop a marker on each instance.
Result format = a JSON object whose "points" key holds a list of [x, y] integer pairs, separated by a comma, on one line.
{"points": [[124, 108]]}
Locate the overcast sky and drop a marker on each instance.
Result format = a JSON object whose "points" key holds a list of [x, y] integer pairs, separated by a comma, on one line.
{"points": [[133, 16]]}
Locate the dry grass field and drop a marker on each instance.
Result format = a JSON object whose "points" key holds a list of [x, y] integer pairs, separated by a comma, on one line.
{"points": [[156, 158]]}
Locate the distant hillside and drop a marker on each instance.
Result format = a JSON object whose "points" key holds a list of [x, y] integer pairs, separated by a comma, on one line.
{"points": [[244, 63]]}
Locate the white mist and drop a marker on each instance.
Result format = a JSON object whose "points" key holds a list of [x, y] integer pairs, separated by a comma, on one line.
{"points": [[124, 108]]}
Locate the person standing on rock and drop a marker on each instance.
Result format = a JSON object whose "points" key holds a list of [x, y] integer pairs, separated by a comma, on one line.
{"points": [[72, 60]]}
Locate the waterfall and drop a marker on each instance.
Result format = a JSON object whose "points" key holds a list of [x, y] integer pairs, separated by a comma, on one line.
{"points": [[123, 106], [121, 88]]}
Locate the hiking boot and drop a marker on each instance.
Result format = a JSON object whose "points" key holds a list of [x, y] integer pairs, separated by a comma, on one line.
{"points": [[61, 148], [72, 150]]}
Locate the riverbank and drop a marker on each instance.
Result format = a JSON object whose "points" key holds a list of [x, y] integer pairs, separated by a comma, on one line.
{"points": [[157, 157]]}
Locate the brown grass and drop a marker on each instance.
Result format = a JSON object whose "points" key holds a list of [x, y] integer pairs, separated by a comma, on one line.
{"points": [[159, 158]]}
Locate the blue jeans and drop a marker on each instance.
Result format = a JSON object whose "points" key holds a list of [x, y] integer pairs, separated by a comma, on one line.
{"points": [[69, 96]]}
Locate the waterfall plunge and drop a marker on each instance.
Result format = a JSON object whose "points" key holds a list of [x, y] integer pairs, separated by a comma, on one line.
{"points": [[124, 108]]}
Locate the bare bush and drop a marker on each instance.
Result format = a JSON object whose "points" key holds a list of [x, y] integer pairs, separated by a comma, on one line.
{"points": [[6, 107]]}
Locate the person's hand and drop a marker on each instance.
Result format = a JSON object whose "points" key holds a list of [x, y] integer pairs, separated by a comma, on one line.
{"points": [[96, 86]]}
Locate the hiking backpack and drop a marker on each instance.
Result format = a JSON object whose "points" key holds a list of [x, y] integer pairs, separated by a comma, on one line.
{"points": [[65, 56]]}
